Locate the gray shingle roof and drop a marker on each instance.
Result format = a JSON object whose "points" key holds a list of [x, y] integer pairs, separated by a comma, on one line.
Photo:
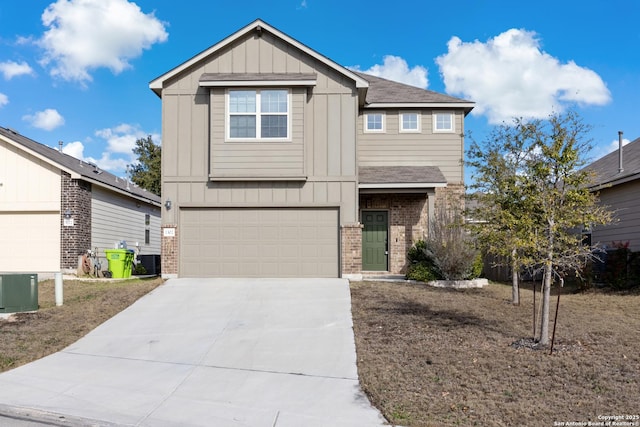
{"points": [[606, 168], [383, 91], [401, 175], [84, 169]]}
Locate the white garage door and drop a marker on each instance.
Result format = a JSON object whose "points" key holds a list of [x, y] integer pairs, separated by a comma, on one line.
{"points": [[258, 242], [30, 242]]}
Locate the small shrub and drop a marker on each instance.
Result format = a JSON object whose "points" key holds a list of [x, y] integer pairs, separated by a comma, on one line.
{"points": [[477, 267], [450, 247], [421, 271], [417, 253], [616, 265], [139, 269]]}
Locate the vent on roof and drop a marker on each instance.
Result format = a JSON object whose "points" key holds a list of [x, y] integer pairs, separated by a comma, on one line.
{"points": [[620, 165]]}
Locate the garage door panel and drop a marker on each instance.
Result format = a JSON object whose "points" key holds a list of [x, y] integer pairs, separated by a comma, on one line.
{"points": [[259, 242], [30, 241]]}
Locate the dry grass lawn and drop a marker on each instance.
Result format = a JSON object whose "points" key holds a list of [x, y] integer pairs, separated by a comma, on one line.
{"points": [[29, 336], [438, 357]]}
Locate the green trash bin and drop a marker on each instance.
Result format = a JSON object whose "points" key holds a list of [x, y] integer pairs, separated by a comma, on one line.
{"points": [[120, 262]]}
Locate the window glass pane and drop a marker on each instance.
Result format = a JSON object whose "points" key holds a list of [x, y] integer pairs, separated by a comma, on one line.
{"points": [[242, 101], [242, 126], [410, 121], [274, 126], [147, 219], [273, 101], [443, 122], [147, 237], [374, 121]]}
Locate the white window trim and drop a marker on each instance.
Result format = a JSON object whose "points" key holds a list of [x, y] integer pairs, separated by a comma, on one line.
{"points": [[366, 123], [401, 126], [258, 114], [453, 122]]}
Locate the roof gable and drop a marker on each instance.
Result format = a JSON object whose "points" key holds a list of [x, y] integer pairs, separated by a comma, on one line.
{"points": [[78, 169], [258, 25], [607, 167]]}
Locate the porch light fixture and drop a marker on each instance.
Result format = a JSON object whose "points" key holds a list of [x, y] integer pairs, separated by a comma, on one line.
{"points": [[67, 214], [167, 204]]}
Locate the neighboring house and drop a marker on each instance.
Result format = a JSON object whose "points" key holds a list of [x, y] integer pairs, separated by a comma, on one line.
{"points": [[618, 185], [279, 162], [54, 207]]}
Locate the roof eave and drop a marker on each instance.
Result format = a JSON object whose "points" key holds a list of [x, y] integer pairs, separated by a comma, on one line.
{"points": [[616, 181], [398, 185], [467, 106], [47, 160]]}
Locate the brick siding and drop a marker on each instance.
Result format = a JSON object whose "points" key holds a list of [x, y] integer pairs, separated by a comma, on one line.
{"points": [[169, 251], [76, 239], [351, 248]]}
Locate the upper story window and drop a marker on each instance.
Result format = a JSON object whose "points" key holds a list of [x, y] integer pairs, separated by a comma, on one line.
{"points": [[374, 122], [443, 122], [254, 114], [410, 122]]}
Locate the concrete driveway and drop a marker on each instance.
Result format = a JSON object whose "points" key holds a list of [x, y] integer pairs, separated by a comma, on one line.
{"points": [[206, 352]]}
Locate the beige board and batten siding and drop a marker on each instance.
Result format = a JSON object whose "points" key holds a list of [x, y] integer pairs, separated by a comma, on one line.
{"points": [[262, 159], [259, 242], [426, 148], [624, 201], [116, 218], [326, 135], [29, 212]]}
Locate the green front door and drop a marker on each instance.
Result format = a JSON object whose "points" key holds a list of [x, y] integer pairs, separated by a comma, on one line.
{"points": [[375, 240]]}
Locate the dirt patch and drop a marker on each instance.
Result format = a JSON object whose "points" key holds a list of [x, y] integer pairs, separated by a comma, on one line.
{"points": [[25, 337], [443, 357]]}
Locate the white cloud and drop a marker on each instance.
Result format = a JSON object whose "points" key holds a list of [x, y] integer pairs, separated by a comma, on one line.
{"points": [[509, 76], [87, 34], [4, 100], [396, 68], [75, 149], [11, 69], [120, 142], [48, 119], [121, 139]]}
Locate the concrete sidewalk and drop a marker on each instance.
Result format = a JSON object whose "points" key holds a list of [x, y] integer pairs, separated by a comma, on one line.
{"points": [[206, 352]]}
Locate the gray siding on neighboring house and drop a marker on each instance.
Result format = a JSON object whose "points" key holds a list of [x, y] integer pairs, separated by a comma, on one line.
{"points": [[395, 148], [624, 200], [326, 137], [115, 217]]}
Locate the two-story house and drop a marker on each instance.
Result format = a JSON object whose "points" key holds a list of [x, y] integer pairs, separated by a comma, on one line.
{"points": [[279, 162]]}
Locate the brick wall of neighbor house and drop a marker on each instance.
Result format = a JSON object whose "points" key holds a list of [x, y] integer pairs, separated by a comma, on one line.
{"points": [[169, 252], [76, 239], [351, 245], [408, 220]]}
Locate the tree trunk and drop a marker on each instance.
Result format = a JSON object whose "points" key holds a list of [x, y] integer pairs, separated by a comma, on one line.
{"points": [[515, 289], [546, 296]]}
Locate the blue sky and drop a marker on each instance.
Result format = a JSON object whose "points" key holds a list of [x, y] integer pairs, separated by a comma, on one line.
{"points": [[78, 71]]}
